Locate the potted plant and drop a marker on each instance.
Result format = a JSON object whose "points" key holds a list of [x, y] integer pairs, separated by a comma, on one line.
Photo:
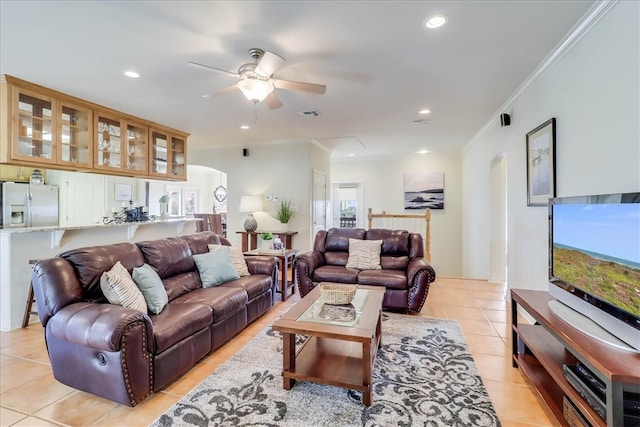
{"points": [[267, 238], [284, 211]]}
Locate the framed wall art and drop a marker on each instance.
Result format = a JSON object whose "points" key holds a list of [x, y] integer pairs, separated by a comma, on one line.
{"points": [[124, 192], [424, 190], [190, 196], [541, 164]]}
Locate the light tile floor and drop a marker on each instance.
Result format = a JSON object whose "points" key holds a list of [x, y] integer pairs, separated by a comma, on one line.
{"points": [[29, 396]]}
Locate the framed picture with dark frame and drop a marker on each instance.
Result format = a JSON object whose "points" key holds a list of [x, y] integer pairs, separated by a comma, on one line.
{"points": [[541, 164]]}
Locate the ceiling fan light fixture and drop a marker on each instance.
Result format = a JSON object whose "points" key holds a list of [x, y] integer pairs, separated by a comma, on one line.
{"points": [[255, 89]]}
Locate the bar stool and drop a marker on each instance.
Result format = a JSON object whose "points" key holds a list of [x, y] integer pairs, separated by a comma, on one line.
{"points": [[30, 299]]}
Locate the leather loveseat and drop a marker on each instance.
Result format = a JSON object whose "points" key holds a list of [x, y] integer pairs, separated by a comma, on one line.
{"points": [[404, 272], [123, 354]]}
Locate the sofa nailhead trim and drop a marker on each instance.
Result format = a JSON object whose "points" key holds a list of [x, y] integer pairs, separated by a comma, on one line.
{"points": [[123, 362], [424, 298]]}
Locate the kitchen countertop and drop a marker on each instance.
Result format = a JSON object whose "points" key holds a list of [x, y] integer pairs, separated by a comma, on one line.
{"points": [[85, 227]]}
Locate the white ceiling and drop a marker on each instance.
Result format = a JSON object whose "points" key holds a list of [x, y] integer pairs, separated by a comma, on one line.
{"points": [[379, 63]]}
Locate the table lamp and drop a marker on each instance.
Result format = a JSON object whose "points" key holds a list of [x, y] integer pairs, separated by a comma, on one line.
{"points": [[250, 204]]}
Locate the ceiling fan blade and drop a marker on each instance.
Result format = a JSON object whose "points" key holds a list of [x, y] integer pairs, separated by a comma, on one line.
{"points": [[300, 86], [220, 92], [208, 68], [269, 64], [272, 101]]}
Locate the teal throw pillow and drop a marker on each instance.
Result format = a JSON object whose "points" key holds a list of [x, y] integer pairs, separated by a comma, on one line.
{"points": [[215, 267], [151, 287]]}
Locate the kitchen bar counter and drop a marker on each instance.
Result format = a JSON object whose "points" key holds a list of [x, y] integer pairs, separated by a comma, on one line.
{"points": [[19, 245], [84, 227]]}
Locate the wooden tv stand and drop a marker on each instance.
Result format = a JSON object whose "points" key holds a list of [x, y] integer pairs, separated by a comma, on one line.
{"points": [[540, 350]]}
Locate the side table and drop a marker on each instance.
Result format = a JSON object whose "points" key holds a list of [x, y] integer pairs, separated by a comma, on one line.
{"points": [[250, 238], [285, 259]]}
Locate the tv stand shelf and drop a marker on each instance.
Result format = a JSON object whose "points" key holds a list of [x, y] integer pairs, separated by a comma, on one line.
{"points": [[540, 350]]}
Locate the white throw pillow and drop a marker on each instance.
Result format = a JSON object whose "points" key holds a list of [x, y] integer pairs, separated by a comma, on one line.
{"points": [[120, 289], [237, 259], [364, 254]]}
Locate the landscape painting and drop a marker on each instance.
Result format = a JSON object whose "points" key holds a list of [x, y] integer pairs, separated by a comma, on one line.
{"points": [[541, 164], [424, 190]]}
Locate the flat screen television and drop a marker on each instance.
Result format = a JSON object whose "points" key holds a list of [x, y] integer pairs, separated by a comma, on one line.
{"points": [[594, 265]]}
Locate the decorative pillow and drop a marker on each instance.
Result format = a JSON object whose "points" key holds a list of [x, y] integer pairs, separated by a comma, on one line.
{"points": [[120, 289], [151, 287], [215, 267], [364, 254], [237, 259]]}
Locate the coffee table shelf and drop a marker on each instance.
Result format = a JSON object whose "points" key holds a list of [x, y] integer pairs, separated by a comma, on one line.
{"points": [[329, 361], [336, 355]]}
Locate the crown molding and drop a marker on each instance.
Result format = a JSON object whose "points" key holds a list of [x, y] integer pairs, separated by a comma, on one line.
{"points": [[590, 18]]}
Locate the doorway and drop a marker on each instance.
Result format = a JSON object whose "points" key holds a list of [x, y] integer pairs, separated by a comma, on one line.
{"points": [[498, 215], [319, 203], [347, 205]]}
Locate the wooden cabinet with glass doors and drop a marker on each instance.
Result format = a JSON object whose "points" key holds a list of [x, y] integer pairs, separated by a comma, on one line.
{"points": [[75, 126], [168, 155], [49, 131], [33, 123], [121, 145], [40, 127]]}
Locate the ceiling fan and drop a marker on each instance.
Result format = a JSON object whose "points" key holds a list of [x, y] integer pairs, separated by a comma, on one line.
{"points": [[256, 79]]}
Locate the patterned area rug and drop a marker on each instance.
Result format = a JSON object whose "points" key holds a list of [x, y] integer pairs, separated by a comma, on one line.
{"points": [[424, 376]]}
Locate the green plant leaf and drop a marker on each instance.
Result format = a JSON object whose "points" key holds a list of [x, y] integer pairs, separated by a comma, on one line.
{"points": [[284, 212]]}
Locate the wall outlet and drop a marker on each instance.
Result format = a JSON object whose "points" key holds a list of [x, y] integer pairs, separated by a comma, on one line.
{"points": [[276, 199], [269, 197]]}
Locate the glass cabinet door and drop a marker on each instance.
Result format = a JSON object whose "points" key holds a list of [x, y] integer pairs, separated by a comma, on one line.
{"points": [[108, 149], [34, 127], [137, 148], [159, 153], [76, 125], [178, 158]]}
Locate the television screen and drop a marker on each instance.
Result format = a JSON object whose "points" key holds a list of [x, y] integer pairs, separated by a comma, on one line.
{"points": [[596, 249]]}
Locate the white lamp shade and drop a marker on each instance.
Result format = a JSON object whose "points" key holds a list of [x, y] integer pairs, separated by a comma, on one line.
{"points": [[255, 89], [250, 204]]}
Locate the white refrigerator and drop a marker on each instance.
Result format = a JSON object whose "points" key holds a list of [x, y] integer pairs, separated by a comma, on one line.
{"points": [[29, 205]]}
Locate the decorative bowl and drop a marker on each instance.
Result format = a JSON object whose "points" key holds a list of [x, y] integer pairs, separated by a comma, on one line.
{"points": [[336, 294]]}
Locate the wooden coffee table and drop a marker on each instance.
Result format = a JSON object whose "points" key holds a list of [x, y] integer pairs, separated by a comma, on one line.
{"points": [[342, 341]]}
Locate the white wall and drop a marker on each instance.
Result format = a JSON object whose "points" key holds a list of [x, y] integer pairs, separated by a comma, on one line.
{"points": [[382, 180], [593, 92], [86, 197], [283, 170]]}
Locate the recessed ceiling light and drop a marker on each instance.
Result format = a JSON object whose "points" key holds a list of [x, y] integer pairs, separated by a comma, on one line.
{"points": [[424, 152], [351, 154], [435, 21], [244, 127], [425, 111], [132, 74]]}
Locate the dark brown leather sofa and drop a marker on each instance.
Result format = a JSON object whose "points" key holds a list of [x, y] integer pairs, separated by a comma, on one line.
{"points": [[405, 273], [125, 355]]}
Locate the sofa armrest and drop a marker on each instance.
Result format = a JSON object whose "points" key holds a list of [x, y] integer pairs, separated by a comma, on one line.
{"points": [[262, 265], [103, 349], [98, 326], [420, 275], [303, 267]]}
